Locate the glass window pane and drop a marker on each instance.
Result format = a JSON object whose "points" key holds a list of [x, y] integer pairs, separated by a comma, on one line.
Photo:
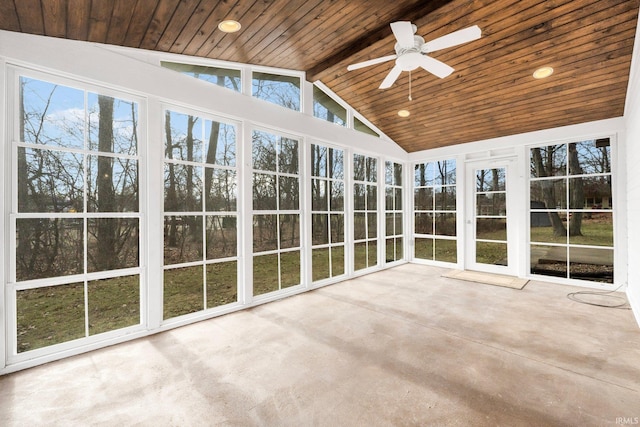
{"points": [[549, 260], [390, 250], [423, 174], [491, 228], [398, 225], [277, 89], [359, 226], [288, 156], [265, 274], [548, 194], [548, 227], [54, 115], [112, 243], [319, 229], [372, 253], [289, 231], [184, 142], [445, 224], [445, 198], [372, 197], [324, 107], [221, 190], [289, 193], [491, 253], [359, 256], [49, 247], [423, 199], [113, 303], [388, 173], [594, 156], [222, 283], [389, 199], [265, 233], [371, 170], [423, 248], [320, 268], [423, 223], [182, 188], [360, 126], [359, 167], [389, 225], [113, 124], [359, 199], [491, 204], [183, 291], [445, 172], [319, 195], [490, 180], [591, 264], [397, 195], [112, 184], [337, 260], [49, 181], [223, 77], [336, 196], [595, 229], [445, 250], [264, 192], [220, 143], [182, 239], [590, 192], [290, 268], [337, 228], [336, 163], [49, 315], [372, 225], [264, 151], [221, 237], [318, 160], [549, 161]]}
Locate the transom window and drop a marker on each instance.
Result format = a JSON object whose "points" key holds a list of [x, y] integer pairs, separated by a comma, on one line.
{"points": [[278, 89], [224, 77]]}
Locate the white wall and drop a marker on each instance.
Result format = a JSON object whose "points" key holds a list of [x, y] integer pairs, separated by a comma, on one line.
{"points": [[632, 146]]}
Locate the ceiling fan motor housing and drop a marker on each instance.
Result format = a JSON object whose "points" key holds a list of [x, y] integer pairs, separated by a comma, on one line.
{"points": [[409, 57]]}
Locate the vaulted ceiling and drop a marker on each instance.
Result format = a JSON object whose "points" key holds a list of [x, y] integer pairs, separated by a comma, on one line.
{"points": [[490, 94]]}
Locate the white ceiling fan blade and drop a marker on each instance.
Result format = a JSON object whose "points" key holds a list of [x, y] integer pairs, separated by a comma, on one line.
{"points": [[391, 77], [403, 31], [435, 67], [370, 62], [453, 39]]}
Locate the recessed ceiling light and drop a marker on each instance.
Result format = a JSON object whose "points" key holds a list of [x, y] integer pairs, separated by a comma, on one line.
{"points": [[229, 26], [404, 113], [542, 72]]}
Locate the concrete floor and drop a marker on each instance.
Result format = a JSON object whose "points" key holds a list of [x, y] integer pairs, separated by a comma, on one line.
{"points": [[401, 347]]}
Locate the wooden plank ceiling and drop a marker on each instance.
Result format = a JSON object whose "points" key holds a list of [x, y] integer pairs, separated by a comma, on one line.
{"points": [[490, 94]]}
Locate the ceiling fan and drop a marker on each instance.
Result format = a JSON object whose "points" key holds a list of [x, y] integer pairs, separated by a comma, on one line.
{"points": [[411, 51]]}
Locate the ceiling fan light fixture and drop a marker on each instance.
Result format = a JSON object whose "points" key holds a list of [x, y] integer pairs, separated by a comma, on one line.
{"points": [[404, 113], [542, 72], [229, 26]]}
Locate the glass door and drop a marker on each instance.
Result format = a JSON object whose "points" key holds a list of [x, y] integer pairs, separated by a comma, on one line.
{"points": [[487, 222]]}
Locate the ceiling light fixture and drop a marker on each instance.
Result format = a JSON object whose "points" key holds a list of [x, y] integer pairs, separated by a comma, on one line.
{"points": [[542, 72], [404, 113], [229, 26]]}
